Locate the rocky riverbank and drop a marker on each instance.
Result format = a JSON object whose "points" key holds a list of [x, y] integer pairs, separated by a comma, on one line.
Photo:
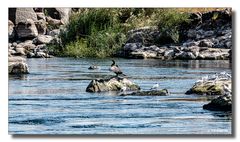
{"points": [[208, 36], [30, 30]]}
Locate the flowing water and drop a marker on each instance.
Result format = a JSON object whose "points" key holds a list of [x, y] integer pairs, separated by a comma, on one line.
{"points": [[52, 99]]}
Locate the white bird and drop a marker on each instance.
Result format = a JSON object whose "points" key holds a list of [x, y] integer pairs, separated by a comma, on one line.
{"points": [[155, 86], [123, 89], [226, 88]]}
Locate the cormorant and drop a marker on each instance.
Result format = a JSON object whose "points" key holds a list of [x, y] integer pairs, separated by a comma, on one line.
{"points": [[114, 68]]}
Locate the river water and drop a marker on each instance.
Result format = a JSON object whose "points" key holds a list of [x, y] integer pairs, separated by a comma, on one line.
{"points": [[52, 99]]}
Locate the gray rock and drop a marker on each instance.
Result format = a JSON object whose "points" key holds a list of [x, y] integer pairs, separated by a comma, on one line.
{"points": [[20, 51], [11, 31], [144, 35], [54, 32], [221, 103], [208, 33], [30, 55], [205, 43], [22, 14], [132, 46], [163, 92], [169, 54], [42, 39], [61, 14], [41, 16], [26, 29], [16, 59], [41, 26], [185, 56], [41, 55], [112, 84], [54, 22], [17, 65], [192, 34]]}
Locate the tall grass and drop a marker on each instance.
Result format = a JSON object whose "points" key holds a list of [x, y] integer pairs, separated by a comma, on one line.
{"points": [[100, 32]]}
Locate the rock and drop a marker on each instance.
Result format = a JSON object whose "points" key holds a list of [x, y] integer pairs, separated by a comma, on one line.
{"points": [[185, 56], [132, 46], [16, 59], [29, 46], [212, 85], [20, 51], [169, 54], [30, 55], [26, 29], [192, 34], [54, 22], [38, 10], [54, 32], [17, 65], [140, 54], [221, 103], [11, 52], [61, 14], [18, 68], [206, 43], [41, 55], [144, 35], [214, 53], [112, 84], [41, 16], [11, 32], [41, 26], [22, 14], [42, 39], [163, 92]]}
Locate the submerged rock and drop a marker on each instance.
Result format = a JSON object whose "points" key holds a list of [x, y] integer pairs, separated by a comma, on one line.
{"points": [[163, 92], [221, 103], [112, 84]]}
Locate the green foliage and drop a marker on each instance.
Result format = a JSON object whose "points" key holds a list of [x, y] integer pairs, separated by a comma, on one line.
{"points": [[169, 21], [101, 32]]}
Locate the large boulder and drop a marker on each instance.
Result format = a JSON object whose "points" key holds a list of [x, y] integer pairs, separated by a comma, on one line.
{"points": [[17, 65], [112, 84], [26, 29], [22, 14], [221, 103], [163, 92]]}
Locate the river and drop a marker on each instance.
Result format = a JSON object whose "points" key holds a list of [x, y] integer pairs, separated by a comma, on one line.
{"points": [[52, 99]]}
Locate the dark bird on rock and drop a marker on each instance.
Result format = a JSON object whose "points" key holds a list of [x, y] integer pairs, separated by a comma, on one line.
{"points": [[114, 68]]}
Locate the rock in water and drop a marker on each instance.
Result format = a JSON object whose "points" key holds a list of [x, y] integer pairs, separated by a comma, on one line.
{"points": [[221, 103], [17, 65], [112, 84], [163, 92], [212, 85]]}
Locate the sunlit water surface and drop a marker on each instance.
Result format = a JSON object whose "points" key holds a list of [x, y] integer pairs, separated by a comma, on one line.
{"points": [[52, 99]]}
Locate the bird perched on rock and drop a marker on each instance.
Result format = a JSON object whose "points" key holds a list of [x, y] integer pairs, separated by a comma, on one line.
{"points": [[155, 86], [114, 68]]}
